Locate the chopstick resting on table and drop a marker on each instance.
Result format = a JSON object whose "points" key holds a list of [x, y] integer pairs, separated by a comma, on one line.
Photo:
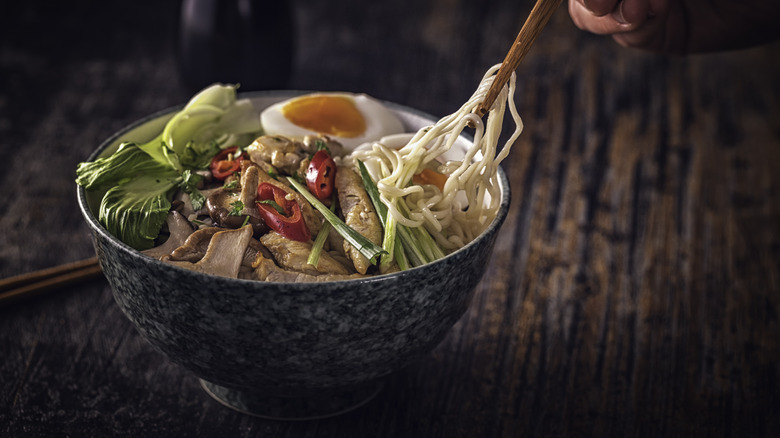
{"points": [[33, 283]]}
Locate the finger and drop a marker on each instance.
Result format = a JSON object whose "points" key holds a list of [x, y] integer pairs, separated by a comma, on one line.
{"points": [[634, 12], [604, 25], [599, 8], [663, 32], [649, 36]]}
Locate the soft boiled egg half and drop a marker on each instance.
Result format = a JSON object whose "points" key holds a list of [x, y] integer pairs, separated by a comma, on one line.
{"points": [[351, 119]]}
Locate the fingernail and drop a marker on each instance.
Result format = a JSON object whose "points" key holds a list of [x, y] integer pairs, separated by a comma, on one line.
{"points": [[617, 14]]}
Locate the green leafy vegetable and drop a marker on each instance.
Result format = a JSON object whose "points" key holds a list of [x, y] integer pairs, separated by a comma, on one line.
{"points": [[135, 209], [237, 207], [210, 120], [129, 160], [139, 179], [137, 197], [189, 184]]}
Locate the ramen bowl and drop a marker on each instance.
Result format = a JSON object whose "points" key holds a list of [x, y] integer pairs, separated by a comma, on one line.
{"points": [[289, 350]]}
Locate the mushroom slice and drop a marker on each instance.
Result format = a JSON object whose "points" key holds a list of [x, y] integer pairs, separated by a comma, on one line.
{"points": [[224, 255], [221, 205], [250, 179], [358, 213], [195, 247], [180, 229]]}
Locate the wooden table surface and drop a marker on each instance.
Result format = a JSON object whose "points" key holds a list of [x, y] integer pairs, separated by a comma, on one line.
{"points": [[634, 289]]}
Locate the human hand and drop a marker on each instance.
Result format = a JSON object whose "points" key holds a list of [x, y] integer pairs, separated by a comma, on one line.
{"points": [[680, 27]]}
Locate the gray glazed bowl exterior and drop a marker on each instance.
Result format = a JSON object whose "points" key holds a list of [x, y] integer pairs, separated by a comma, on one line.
{"points": [[291, 339]]}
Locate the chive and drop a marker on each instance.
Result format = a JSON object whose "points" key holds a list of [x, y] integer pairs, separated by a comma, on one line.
{"points": [[423, 238], [366, 247], [388, 222], [400, 254], [319, 242], [388, 243], [373, 193], [409, 242]]}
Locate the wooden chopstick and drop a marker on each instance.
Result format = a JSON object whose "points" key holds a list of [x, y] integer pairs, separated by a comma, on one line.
{"points": [[31, 284], [537, 19]]}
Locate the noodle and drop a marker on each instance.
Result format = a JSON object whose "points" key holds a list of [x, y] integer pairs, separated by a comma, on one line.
{"points": [[469, 200]]}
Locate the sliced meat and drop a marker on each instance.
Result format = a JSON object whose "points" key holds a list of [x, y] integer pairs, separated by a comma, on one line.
{"points": [[267, 270], [313, 143], [286, 154], [254, 250], [358, 213], [281, 152], [293, 255]]}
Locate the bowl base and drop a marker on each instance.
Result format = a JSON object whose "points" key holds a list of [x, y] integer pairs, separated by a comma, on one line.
{"points": [[328, 404]]}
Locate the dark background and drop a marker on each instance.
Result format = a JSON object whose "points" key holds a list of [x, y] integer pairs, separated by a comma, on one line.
{"points": [[633, 292]]}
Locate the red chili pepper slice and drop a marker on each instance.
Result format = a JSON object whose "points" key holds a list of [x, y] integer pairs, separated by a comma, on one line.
{"points": [[290, 224], [321, 174], [225, 163]]}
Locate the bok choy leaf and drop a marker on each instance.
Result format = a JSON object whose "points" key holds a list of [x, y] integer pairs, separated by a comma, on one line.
{"points": [[140, 179]]}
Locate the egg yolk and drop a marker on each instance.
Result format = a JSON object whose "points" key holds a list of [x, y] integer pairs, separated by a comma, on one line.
{"points": [[330, 115]]}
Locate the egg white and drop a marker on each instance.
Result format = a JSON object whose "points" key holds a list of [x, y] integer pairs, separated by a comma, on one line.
{"points": [[380, 120]]}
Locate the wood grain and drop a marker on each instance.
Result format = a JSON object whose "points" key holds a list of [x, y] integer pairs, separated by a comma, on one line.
{"points": [[633, 290]]}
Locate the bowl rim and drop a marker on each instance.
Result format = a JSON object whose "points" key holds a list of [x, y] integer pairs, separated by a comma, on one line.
{"points": [[95, 226]]}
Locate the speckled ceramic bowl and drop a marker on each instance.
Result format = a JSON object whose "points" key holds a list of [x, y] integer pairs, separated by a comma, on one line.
{"points": [[286, 350]]}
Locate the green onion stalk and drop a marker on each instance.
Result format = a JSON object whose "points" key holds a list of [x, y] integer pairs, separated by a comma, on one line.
{"points": [[411, 246], [367, 248]]}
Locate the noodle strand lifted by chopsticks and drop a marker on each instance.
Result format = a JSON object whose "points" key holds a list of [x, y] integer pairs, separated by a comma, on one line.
{"points": [[470, 198]]}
